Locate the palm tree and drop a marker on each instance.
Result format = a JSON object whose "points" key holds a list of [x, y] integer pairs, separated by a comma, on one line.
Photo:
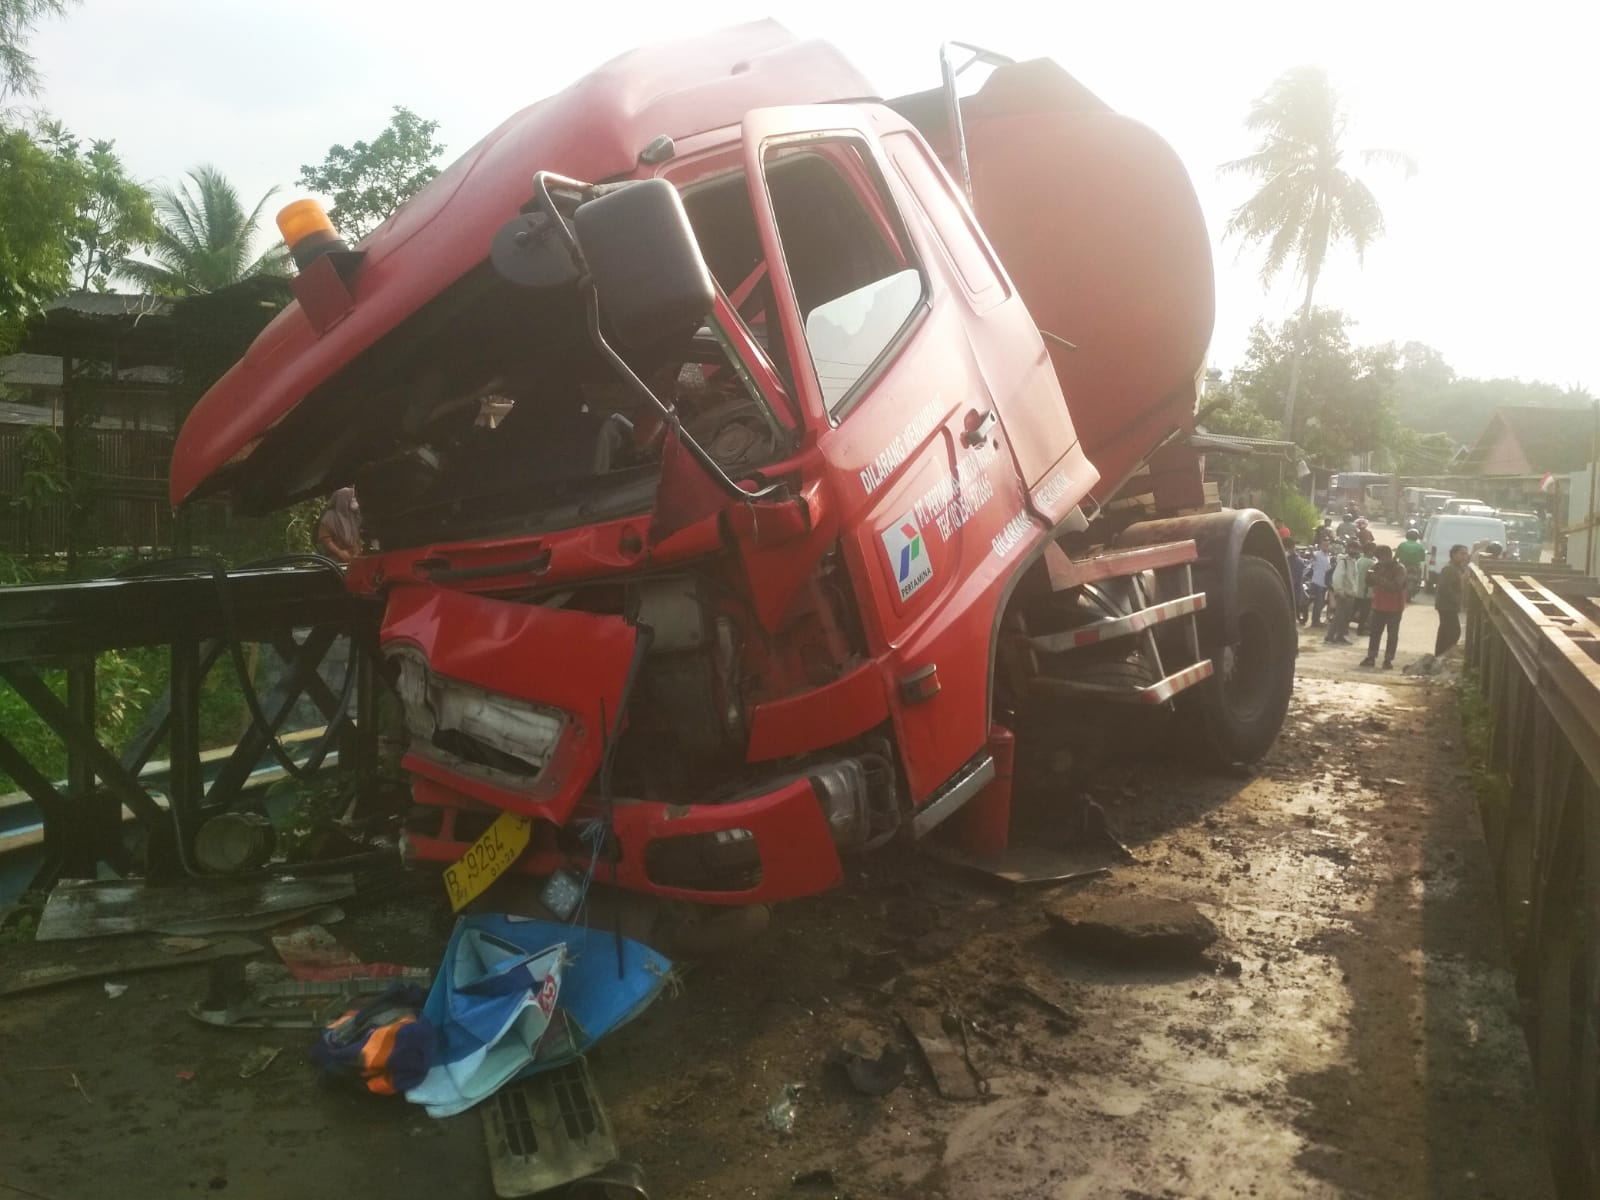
{"points": [[204, 238], [1308, 201]]}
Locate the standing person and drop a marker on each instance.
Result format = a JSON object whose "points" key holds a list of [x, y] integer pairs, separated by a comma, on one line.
{"points": [[1317, 583], [1341, 584], [1387, 580], [1297, 578], [1447, 599], [1363, 590], [1412, 555], [339, 531]]}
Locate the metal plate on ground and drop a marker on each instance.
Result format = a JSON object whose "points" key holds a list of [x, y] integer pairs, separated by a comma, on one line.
{"points": [[1022, 866], [80, 908], [546, 1131]]}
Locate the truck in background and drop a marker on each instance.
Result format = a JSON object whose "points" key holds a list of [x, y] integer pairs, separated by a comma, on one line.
{"points": [[759, 468]]}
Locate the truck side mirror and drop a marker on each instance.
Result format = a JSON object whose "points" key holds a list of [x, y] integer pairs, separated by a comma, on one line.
{"points": [[644, 262]]}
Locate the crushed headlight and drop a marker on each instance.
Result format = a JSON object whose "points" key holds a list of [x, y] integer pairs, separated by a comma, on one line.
{"points": [[473, 728]]}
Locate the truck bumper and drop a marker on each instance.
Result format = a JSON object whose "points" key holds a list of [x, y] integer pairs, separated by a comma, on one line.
{"points": [[774, 846]]}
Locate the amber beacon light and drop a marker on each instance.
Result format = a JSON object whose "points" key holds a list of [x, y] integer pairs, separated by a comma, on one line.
{"points": [[307, 232]]}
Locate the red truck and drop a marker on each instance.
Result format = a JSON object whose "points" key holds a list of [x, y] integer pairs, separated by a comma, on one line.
{"points": [[756, 466]]}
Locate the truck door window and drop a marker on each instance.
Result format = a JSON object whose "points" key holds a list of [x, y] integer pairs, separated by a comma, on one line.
{"points": [[951, 221], [849, 263]]}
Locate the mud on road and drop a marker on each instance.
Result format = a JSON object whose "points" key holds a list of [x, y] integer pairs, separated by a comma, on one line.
{"points": [[1353, 1032]]}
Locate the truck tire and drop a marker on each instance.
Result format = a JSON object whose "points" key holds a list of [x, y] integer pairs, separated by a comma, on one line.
{"points": [[1235, 715]]}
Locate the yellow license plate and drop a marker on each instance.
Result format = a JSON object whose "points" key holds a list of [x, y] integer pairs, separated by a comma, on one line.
{"points": [[488, 858]]}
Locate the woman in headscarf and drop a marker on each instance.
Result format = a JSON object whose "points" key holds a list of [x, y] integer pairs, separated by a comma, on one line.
{"points": [[339, 531]]}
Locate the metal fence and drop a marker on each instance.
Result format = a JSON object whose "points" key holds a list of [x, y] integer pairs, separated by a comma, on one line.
{"points": [[116, 478], [1533, 644], [302, 613]]}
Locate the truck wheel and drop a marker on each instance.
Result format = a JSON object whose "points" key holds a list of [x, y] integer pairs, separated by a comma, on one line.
{"points": [[1235, 715]]}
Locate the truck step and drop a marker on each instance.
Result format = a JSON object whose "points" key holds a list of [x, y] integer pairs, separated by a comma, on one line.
{"points": [[1158, 692], [1067, 572], [1115, 627]]}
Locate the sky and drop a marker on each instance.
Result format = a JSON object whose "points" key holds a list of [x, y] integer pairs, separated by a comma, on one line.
{"points": [[1493, 249]]}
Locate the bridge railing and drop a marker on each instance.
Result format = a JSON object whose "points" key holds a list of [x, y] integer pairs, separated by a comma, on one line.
{"points": [[203, 619], [1533, 646]]}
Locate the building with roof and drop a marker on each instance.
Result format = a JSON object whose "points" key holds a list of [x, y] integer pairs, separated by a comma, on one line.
{"points": [[1530, 442]]}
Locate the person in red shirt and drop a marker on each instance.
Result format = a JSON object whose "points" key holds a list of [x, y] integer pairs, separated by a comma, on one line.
{"points": [[1388, 582]]}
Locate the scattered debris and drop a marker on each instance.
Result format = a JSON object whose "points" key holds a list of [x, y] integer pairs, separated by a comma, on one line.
{"points": [[874, 1075], [952, 1075], [619, 1180], [1143, 928], [80, 908], [28, 969], [113, 990], [1070, 1020], [257, 1061], [238, 998], [312, 953], [186, 1076], [817, 1177], [782, 1111]]}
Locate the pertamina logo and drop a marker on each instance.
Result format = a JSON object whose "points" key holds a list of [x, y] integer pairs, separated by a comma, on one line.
{"points": [[908, 555]]}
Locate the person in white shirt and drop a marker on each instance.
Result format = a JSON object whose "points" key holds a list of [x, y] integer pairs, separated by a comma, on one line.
{"points": [[1317, 583]]}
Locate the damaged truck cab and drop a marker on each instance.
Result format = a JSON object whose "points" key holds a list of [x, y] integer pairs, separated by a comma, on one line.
{"points": [[747, 489]]}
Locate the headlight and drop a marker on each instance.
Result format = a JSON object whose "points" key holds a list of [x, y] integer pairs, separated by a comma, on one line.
{"points": [[456, 722]]}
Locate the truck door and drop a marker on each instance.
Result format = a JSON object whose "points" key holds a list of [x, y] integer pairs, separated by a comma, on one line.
{"points": [[930, 501]]}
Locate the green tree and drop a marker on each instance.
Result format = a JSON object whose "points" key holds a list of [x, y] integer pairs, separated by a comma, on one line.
{"points": [[203, 242], [19, 18], [115, 214], [1308, 201], [1348, 391], [41, 192], [368, 181]]}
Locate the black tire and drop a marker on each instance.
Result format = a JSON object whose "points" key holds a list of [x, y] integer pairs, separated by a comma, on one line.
{"points": [[1432, 581], [1235, 715]]}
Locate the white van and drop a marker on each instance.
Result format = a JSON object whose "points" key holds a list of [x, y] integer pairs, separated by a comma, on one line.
{"points": [[1452, 529]]}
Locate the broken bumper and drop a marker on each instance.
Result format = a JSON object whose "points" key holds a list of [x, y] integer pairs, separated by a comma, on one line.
{"points": [[776, 846]]}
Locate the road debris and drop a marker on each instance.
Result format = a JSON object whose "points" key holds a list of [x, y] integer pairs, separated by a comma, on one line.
{"points": [[874, 1074], [1132, 927], [952, 1075], [783, 1109], [82, 908], [312, 953], [257, 1061], [113, 990], [33, 966]]}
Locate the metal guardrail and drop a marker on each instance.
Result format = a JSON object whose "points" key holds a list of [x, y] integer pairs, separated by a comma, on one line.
{"points": [[300, 611], [1533, 642]]}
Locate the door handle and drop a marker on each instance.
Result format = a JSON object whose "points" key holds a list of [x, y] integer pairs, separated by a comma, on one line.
{"points": [[980, 427]]}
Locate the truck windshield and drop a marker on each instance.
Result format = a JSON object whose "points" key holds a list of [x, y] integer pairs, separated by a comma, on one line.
{"points": [[499, 417]]}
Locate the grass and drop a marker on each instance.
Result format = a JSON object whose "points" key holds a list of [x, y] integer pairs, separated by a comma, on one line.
{"points": [[127, 682]]}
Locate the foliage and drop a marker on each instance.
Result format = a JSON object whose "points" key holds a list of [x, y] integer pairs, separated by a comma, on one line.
{"points": [[19, 18], [368, 181], [40, 195], [1433, 399], [1348, 390], [115, 214], [1291, 508], [1308, 201], [203, 242]]}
